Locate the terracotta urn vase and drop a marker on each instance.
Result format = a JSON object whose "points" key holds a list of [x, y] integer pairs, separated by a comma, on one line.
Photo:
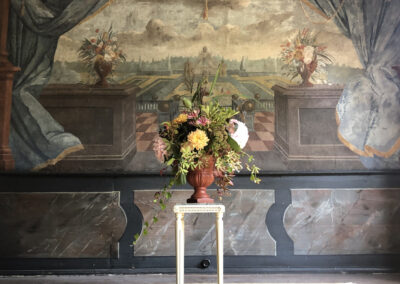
{"points": [[306, 71], [103, 69], [200, 179]]}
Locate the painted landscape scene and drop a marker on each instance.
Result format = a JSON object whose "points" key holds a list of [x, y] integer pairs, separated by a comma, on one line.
{"points": [[160, 50]]}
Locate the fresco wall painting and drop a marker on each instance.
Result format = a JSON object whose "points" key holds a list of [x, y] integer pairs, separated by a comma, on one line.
{"points": [[160, 50]]}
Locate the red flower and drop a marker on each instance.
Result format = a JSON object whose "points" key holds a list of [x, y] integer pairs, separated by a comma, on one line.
{"points": [[93, 40], [97, 30]]}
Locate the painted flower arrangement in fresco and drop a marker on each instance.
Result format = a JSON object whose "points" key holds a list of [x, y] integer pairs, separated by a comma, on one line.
{"points": [[303, 57], [202, 134], [101, 54]]}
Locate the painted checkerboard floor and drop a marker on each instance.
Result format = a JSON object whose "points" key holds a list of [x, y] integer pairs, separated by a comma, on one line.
{"points": [[261, 139]]}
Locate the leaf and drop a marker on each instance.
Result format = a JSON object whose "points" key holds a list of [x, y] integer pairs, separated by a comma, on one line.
{"points": [[187, 103], [294, 76], [183, 179], [326, 57], [155, 219], [136, 236], [146, 224], [234, 145], [205, 109], [170, 161], [215, 78], [169, 195]]}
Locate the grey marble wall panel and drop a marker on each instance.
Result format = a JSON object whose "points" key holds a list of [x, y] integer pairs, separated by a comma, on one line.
{"points": [[344, 221], [60, 225], [244, 225]]}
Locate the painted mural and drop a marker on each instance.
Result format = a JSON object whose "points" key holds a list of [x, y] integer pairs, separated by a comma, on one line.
{"points": [[284, 67]]}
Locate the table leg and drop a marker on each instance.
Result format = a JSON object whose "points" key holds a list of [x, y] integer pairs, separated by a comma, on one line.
{"points": [[180, 248], [220, 248]]}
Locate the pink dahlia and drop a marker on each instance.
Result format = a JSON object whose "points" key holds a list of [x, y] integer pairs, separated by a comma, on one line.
{"points": [[193, 114], [203, 121], [159, 148]]}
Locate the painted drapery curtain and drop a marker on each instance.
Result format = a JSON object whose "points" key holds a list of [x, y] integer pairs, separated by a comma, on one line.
{"points": [[368, 110], [35, 26]]}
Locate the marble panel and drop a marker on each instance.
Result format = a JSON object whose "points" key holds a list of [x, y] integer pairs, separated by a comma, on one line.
{"points": [[245, 231], [344, 221], [60, 225]]}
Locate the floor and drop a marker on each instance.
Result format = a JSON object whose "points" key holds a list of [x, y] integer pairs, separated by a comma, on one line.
{"points": [[261, 139], [195, 278]]}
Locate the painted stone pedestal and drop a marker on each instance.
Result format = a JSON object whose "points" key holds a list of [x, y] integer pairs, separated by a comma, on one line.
{"points": [[305, 129], [102, 118]]}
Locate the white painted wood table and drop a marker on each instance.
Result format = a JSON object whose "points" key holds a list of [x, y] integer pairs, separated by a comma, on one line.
{"points": [[180, 211]]}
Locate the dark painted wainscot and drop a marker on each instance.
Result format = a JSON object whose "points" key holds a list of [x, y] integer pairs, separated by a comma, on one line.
{"points": [[290, 222]]}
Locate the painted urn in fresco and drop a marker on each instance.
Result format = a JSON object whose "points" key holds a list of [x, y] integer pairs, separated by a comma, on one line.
{"points": [[103, 69]]}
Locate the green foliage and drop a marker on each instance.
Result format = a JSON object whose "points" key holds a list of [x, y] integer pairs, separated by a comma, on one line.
{"points": [[161, 198], [234, 145]]}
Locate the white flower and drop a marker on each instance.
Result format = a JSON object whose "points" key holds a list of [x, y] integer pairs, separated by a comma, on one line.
{"points": [[110, 52], [107, 57], [241, 135], [308, 54]]}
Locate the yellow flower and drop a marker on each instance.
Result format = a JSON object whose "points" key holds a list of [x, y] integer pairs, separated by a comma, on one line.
{"points": [[198, 139], [181, 118]]}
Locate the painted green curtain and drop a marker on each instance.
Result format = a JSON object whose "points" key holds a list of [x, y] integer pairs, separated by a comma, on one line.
{"points": [[368, 110], [36, 139]]}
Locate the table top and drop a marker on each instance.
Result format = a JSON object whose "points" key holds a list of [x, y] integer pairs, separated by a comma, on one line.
{"points": [[199, 208]]}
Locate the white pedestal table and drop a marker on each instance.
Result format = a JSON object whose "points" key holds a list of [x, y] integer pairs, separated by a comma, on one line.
{"points": [[180, 211]]}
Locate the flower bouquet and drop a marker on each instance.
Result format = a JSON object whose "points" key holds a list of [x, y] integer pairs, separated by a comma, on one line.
{"points": [[202, 143], [101, 54], [303, 56]]}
